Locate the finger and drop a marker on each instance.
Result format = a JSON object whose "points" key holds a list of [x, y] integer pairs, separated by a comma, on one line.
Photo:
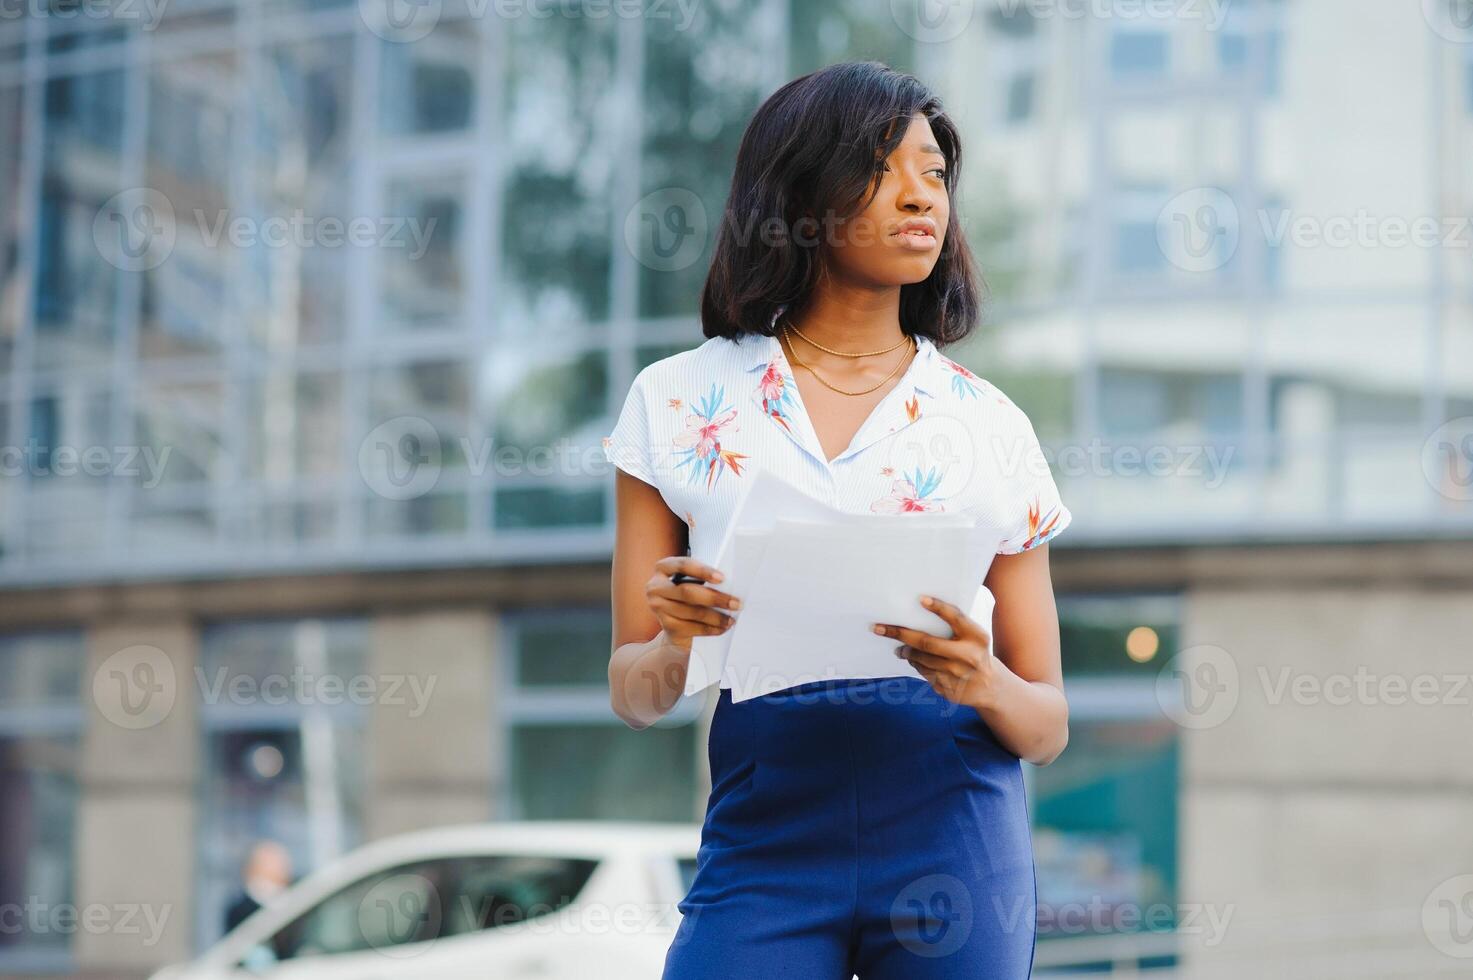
{"points": [[920, 659], [694, 614], [961, 624], [690, 566], [921, 640], [699, 595]]}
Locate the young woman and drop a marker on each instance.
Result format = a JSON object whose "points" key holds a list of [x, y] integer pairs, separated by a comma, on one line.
{"points": [[872, 827]]}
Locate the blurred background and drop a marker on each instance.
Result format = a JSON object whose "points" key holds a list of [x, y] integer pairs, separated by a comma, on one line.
{"points": [[313, 314]]}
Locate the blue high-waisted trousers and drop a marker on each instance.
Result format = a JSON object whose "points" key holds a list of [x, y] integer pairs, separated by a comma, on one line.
{"points": [[868, 828]]}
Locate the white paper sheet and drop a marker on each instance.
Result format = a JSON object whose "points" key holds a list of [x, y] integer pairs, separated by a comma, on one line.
{"points": [[813, 578]]}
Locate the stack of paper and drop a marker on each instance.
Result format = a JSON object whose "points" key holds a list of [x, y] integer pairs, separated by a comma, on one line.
{"points": [[812, 580]]}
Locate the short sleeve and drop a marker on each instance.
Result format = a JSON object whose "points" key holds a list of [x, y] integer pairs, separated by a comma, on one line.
{"points": [[1036, 513], [629, 445]]}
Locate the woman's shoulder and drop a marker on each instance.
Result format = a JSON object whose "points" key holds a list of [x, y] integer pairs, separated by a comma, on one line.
{"points": [[969, 389], [693, 364]]}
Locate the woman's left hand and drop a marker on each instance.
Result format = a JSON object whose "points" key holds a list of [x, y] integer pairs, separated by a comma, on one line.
{"points": [[959, 667]]}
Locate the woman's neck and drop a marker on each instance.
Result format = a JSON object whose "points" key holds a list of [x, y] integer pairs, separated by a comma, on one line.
{"points": [[852, 321]]}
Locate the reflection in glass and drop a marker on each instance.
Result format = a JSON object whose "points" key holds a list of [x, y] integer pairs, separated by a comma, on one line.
{"points": [[700, 87], [280, 754], [76, 288], [293, 427], [602, 771], [430, 86], [12, 278], [191, 121], [293, 294], [38, 805], [181, 424], [541, 400], [421, 253], [436, 391], [556, 223]]}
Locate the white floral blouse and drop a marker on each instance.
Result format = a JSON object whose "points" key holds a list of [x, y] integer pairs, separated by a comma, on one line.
{"points": [[696, 424]]}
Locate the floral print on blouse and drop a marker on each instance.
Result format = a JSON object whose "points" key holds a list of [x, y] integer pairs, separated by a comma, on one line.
{"points": [[700, 452], [941, 439]]}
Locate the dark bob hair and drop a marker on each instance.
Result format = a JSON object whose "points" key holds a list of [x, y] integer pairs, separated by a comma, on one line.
{"points": [[814, 148]]}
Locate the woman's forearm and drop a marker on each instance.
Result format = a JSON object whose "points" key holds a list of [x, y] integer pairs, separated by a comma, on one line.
{"points": [[646, 679], [1030, 718]]}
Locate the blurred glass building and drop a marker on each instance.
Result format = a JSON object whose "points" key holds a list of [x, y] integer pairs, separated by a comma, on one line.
{"points": [[313, 313]]}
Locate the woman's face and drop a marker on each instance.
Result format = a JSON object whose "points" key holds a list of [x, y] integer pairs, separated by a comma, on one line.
{"points": [[897, 238]]}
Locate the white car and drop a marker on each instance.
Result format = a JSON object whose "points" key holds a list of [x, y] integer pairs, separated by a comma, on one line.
{"points": [[514, 901]]}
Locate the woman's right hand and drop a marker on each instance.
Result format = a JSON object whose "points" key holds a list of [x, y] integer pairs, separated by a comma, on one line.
{"points": [[689, 609]]}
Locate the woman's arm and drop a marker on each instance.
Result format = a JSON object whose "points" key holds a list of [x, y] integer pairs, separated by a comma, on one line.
{"points": [[1014, 680], [1024, 705], [654, 620]]}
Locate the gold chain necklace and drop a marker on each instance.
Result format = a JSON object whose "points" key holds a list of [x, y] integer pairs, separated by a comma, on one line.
{"points": [[794, 354], [842, 353]]}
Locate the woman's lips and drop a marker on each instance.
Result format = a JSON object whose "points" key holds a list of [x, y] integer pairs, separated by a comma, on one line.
{"points": [[918, 241]]}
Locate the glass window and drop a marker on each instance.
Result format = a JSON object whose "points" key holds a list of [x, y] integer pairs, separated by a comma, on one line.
{"points": [[12, 285], [77, 266], [700, 87], [822, 32], [40, 725], [1138, 53], [282, 749], [420, 250], [1104, 813], [180, 424], [1020, 97], [427, 900], [294, 423], [556, 257], [295, 295], [571, 757], [430, 86], [192, 120], [549, 410]]}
